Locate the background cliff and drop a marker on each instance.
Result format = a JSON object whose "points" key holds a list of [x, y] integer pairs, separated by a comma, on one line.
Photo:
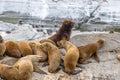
{"points": [[59, 9]]}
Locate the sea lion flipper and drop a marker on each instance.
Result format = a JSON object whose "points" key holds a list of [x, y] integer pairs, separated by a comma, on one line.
{"points": [[58, 69], [84, 61], [95, 57], [45, 64], [77, 71], [79, 65], [38, 70]]}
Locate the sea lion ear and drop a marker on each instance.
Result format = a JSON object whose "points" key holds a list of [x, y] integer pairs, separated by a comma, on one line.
{"points": [[10, 67]]}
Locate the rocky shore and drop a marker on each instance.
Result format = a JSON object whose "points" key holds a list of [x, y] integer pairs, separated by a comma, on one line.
{"points": [[107, 69]]}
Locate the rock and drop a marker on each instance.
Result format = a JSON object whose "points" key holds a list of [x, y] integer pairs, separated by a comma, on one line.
{"points": [[107, 69]]}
